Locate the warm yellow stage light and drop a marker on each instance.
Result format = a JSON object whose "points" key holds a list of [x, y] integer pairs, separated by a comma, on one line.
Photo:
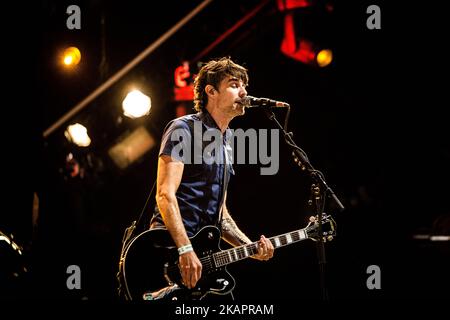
{"points": [[71, 56], [136, 104], [324, 57], [77, 134]]}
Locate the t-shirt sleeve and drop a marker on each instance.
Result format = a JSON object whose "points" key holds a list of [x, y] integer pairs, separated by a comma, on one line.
{"points": [[176, 141]]}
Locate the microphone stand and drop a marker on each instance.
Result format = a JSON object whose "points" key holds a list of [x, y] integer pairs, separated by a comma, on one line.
{"points": [[319, 190]]}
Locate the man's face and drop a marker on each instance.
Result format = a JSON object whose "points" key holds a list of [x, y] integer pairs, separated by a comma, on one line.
{"points": [[231, 91]]}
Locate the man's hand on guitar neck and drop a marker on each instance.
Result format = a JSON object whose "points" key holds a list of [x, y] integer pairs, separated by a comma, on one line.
{"points": [[265, 249], [190, 268]]}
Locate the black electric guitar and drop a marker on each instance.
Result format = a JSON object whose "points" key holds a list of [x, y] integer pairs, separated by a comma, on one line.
{"points": [[150, 268]]}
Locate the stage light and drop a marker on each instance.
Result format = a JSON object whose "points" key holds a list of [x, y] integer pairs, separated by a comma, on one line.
{"points": [[324, 57], [136, 104], [71, 57], [131, 147], [77, 134]]}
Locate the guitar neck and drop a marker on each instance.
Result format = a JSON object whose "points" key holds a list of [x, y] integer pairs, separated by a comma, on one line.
{"points": [[235, 254]]}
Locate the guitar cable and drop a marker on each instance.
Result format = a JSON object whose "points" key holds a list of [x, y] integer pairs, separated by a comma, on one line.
{"points": [[129, 231], [126, 239]]}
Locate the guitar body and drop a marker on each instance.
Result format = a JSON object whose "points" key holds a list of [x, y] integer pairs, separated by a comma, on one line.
{"points": [[150, 267]]}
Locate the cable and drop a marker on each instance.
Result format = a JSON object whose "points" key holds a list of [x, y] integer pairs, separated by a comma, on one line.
{"points": [[125, 240]]}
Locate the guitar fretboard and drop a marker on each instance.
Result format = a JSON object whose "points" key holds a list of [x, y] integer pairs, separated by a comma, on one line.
{"points": [[225, 257]]}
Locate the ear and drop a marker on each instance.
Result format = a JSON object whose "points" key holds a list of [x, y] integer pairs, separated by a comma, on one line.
{"points": [[210, 90]]}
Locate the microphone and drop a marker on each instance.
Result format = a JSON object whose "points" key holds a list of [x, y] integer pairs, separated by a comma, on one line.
{"points": [[251, 102]]}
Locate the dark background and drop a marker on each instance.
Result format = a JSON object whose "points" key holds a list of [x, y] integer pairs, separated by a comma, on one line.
{"points": [[373, 122]]}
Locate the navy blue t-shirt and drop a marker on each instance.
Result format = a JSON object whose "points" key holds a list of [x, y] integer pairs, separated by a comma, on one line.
{"points": [[196, 141]]}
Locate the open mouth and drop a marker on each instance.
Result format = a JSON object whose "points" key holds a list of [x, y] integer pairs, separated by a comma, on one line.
{"points": [[240, 102]]}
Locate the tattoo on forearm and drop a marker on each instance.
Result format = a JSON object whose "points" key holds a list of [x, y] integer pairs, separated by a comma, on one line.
{"points": [[230, 228]]}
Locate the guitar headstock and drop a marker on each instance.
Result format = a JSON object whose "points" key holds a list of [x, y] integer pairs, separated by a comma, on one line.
{"points": [[328, 228]]}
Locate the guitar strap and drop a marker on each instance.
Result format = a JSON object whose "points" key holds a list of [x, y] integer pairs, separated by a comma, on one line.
{"points": [[224, 184]]}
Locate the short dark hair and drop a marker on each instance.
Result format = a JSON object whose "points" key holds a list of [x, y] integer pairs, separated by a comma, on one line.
{"points": [[213, 73]]}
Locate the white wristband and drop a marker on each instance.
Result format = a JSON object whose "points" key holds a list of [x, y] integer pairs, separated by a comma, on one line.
{"points": [[185, 249]]}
